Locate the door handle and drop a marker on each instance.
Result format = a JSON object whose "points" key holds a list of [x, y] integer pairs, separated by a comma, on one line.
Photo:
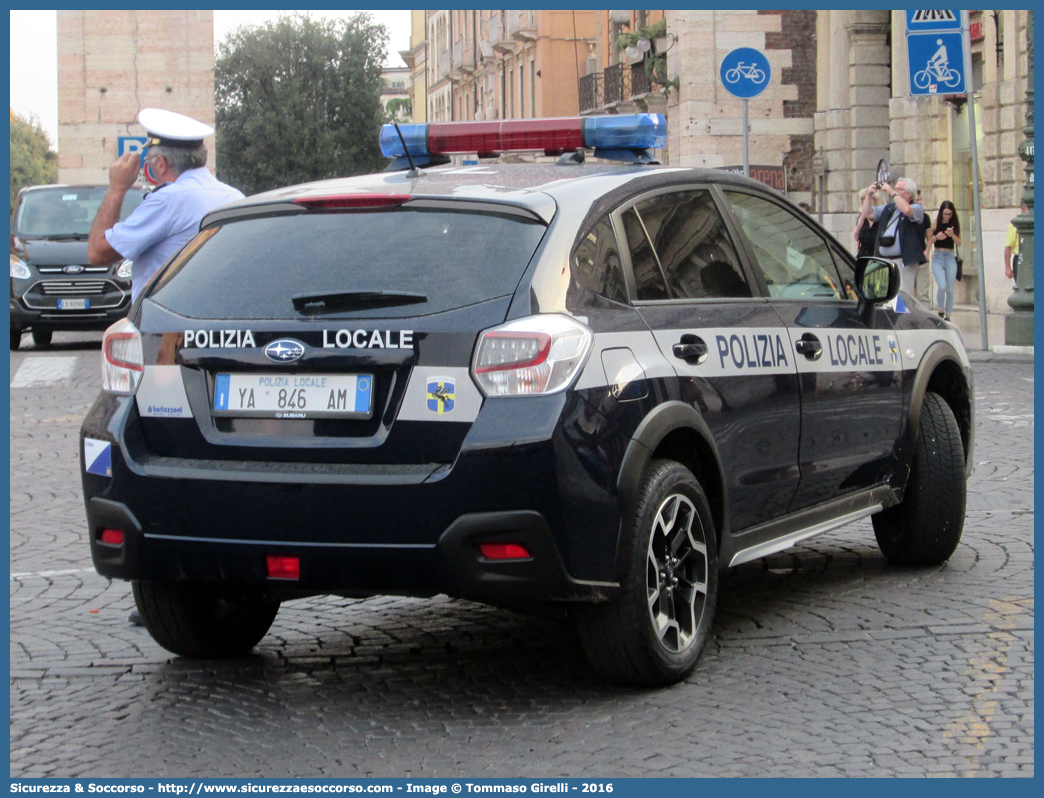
{"points": [[691, 349], [809, 346]]}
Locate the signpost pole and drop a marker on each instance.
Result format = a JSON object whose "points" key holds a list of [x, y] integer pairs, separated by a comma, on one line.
{"points": [[746, 142], [976, 194]]}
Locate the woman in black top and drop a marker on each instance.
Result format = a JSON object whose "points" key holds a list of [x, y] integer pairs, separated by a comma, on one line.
{"points": [[945, 236], [865, 232]]}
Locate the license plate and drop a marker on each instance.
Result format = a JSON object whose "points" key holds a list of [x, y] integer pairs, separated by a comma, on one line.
{"points": [[294, 395], [74, 304]]}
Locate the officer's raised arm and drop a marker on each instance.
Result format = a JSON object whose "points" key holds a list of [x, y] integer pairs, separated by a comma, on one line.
{"points": [[122, 175]]}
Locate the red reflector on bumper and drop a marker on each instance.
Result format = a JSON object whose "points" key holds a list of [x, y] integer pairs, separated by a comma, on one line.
{"points": [[283, 567], [504, 551], [114, 537]]}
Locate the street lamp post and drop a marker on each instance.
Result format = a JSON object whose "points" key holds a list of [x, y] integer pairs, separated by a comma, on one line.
{"points": [[1018, 326]]}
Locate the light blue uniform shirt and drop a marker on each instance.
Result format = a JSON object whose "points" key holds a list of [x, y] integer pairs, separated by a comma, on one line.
{"points": [[166, 220]]}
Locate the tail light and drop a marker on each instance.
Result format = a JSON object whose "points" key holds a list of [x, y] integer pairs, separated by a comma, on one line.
{"points": [[122, 359], [535, 355]]}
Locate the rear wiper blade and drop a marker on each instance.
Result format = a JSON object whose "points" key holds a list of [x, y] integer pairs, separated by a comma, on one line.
{"points": [[347, 300], [67, 236]]}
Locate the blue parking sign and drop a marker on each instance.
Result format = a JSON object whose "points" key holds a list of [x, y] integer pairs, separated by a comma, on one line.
{"points": [[125, 144], [932, 20], [936, 63]]}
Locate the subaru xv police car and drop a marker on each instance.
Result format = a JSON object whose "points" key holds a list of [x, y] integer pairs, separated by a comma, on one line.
{"points": [[590, 385]]}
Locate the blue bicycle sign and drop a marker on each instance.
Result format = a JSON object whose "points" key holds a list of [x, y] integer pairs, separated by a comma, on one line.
{"points": [[745, 72], [741, 70], [936, 63]]}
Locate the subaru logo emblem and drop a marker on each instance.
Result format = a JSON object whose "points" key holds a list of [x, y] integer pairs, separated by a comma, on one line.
{"points": [[285, 350], [73, 269]]}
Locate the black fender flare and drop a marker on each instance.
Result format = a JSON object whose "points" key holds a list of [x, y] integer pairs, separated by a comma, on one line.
{"points": [[935, 354], [663, 420]]}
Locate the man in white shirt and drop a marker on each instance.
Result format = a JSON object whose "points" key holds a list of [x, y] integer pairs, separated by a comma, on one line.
{"points": [[170, 215]]}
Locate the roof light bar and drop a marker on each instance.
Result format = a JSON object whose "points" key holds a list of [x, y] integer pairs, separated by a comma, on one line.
{"points": [[564, 134]]}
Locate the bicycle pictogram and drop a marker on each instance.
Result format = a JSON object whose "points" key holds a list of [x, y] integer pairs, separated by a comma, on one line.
{"points": [[937, 70], [749, 71]]}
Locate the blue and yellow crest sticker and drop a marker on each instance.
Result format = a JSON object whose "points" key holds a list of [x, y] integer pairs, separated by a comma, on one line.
{"points": [[893, 349], [441, 395]]}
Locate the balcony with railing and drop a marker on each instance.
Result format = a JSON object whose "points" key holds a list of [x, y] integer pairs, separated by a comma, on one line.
{"points": [[463, 58], [619, 83], [499, 38], [521, 25]]}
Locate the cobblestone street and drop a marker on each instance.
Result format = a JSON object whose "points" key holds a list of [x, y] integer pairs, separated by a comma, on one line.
{"points": [[825, 661]]}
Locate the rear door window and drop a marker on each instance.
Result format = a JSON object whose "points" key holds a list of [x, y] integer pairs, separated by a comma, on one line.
{"points": [[680, 249], [252, 268]]}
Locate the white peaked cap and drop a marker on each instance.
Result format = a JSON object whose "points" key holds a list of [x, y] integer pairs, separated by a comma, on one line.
{"points": [[172, 129]]}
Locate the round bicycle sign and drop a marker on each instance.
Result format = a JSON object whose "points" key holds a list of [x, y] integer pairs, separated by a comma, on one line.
{"points": [[745, 72]]}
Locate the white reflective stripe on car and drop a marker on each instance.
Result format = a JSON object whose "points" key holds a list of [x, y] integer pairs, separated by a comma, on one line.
{"points": [[643, 347], [161, 393], [914, 343], [849, 349], [440, 393], [734, 351]]}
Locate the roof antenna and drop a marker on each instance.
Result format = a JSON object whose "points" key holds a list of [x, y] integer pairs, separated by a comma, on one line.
{"points": [[414, 171]]}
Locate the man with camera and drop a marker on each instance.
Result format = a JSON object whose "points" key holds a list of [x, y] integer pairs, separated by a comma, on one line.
{"points": [[900, 228]]}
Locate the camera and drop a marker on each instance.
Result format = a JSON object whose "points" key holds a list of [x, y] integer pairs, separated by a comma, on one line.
{"points": [[878, 185]]}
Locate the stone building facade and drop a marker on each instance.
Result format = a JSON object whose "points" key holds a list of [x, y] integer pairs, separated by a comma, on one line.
{"points": [[111, 64], [865, 114], [705, 122]]}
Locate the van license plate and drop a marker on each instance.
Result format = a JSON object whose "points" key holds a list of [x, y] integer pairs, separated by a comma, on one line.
{"points": [[294, 395], [74, 304]]}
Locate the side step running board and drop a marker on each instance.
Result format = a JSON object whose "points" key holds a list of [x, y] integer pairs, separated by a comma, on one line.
{"points": [[779, 544]]}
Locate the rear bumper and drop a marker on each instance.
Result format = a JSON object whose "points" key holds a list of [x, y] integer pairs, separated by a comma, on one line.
{"points": [[453, 565], [358, 532]]}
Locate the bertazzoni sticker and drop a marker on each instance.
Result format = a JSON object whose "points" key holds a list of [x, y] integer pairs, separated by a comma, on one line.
{"points": [[161, 393]]}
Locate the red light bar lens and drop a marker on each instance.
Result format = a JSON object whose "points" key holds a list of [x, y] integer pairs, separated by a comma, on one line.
{"points": [[114, 537], [336, 201], [510, 134], [283, 567], [504, 551]]}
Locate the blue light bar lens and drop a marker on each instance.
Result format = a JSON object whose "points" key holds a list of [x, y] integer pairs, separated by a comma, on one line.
{"points": [[633, 131], [416, 137]]}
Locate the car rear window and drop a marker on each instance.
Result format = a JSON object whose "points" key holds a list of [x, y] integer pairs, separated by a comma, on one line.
{"points": [[66, 211], [252, 268]]}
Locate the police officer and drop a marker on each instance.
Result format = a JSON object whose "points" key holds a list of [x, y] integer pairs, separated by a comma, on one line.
{"points": [[170, 215]]}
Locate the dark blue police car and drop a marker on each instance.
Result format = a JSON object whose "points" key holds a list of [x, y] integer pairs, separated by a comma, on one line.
{"points": [[587, 385]]}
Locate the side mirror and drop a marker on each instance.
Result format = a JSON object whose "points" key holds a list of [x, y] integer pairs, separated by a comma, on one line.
{"points": [[877, 281]]}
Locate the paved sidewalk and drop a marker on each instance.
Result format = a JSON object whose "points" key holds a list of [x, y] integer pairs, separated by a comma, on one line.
{"points": [[966, 319]]}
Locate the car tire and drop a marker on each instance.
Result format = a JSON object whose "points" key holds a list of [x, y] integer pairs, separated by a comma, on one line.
{"points": [[16, 338], [653, 633], [42, 337], [204, 621], [925, 528]]}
